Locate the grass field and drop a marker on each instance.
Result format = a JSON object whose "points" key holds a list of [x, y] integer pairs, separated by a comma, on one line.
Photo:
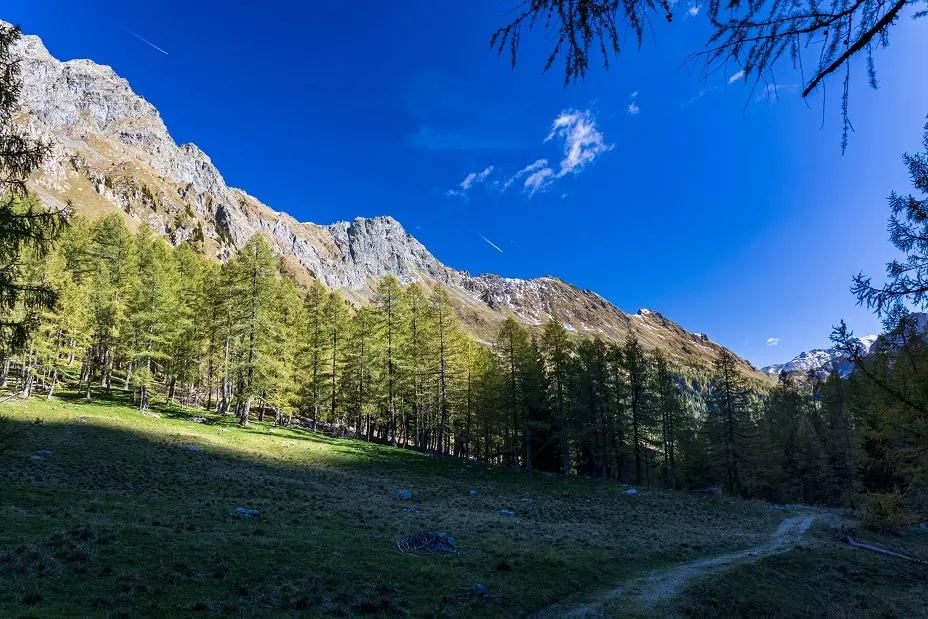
{"points": [[121, 520]]}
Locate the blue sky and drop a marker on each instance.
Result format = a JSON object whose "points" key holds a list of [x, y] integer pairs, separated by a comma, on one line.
{"points": [[735, 216]]}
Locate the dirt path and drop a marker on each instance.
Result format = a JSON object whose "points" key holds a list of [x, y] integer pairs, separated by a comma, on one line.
{"points": [[644, 593]]}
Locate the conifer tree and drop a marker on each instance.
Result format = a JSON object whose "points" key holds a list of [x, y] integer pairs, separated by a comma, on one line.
{"points": [[669, 404], [447, 350], [728, 421], [314, 351], [415, 353], [511, 347], [25, 226], [389, 300], [335, 319], [637, 371], [255, 268], [556, 350]]}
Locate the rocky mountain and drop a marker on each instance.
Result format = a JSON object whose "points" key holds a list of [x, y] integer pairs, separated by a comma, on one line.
{"points": [[113, 153], [820, 360]]}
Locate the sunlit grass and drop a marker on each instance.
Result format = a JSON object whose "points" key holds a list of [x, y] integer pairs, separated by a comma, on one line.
{"points": [[122, 520]]}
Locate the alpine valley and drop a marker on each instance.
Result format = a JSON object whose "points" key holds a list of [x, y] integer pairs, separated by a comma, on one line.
{"points": [[111, 152]]}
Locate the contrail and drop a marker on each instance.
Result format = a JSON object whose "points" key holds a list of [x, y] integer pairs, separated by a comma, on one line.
{"points": [[144, 40], [492, 244]]}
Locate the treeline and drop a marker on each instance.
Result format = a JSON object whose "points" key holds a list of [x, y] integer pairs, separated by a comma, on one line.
{"points": [[134, 314]]}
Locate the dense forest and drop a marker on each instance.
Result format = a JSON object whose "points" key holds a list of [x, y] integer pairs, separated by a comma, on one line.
{"points": [[134, 314]]}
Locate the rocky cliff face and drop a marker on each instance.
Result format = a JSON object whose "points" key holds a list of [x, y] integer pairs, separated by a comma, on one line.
{"points": [[113, 153]]}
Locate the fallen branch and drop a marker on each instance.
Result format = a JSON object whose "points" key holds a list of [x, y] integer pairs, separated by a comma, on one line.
{"points": [[854, 543], [9, 397]]}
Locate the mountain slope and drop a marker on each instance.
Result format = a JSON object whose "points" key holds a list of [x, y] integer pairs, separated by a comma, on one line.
{"points": [[113, 153]]}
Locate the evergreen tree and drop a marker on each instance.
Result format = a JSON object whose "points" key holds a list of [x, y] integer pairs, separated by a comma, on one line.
{"points": [[315, 351], [638, 373], [556, 351], [389, 300], [511, 348], [447, 342], [255, 269], [25, 227], [728, 421], [668, 400], [335, 319]]}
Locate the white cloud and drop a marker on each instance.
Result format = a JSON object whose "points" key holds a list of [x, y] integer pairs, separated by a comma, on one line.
{"points": [[773, 341], [633, 109], [582, 141], [532, 167], [469, 181], [539, 181], [693, 11], [634, 94], [737, 76]]}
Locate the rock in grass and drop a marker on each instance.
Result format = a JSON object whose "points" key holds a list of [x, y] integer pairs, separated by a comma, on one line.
{"points": [[247, 514], [37, 457], [631, 491], [44, 452], [428, 542], [193, 448], [507, 512], [480, 589], [473, 493], [412, 510], [402, 495]]}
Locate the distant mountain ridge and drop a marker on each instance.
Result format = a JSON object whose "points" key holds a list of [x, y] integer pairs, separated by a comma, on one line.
{"points": [[112, 153], [821, 361]]}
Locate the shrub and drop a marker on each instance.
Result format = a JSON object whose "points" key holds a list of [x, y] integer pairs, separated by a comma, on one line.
{"points": [[885, 512]]}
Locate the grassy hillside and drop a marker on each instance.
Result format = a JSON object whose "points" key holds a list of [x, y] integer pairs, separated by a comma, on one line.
{"points": [[121, 519]]}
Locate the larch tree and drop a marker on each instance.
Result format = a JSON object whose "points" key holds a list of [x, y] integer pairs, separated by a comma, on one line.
{"points": [[556, 350], [388, 298], [638, 372], [447, 349], [728, 420], [25, 225], [668, 400], [256, 270], [335, 319], [511, 348]]}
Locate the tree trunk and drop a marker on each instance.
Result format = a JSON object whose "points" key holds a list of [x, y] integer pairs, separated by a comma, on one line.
{"points": [[52, 383]]}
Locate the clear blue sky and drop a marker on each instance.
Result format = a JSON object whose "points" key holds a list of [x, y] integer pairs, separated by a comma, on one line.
{"points": [[735, 217]]}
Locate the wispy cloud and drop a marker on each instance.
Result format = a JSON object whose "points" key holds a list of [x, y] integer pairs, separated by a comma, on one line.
{"points": [[491, 243], [693, 10], [144, 40], [474, 178], [772, 91], [532, 167], [737, 76], [773, 341], [699, 95], [583, 142], [539, 180], [633, 109]]}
